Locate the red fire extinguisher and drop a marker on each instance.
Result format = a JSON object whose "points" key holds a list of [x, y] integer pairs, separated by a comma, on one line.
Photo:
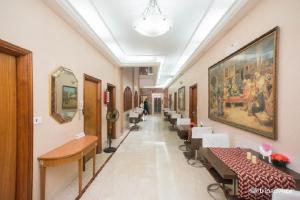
{"points": [[106, 97]]}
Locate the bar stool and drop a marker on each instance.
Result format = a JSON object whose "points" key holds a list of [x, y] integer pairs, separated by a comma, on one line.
{"points": [[167, 114], [170, 114], [134, 118], [197, 136], [181, 135], [140, 111], [215, 140], [173, 119]]}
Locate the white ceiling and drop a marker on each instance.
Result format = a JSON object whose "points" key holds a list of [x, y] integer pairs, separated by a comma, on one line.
{"points": [[119, 16], [109, 23]]}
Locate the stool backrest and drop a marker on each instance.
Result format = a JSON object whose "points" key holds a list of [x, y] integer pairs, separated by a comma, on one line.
{"points": [[283, 194], [171, 112], [198, 132], [175, 116], [133, 114], [183, 121], [139, 110], [215, 140], [166, 109]]}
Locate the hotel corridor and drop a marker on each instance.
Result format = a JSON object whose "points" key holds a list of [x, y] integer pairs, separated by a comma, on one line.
{"points": [[78, 76], [148, 165]]}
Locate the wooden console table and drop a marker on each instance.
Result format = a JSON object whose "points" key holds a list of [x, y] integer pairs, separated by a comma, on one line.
{"points": [[69, 152]]}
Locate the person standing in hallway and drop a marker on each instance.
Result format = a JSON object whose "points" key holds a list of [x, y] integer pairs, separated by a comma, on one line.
{"points": [[146, 107]]}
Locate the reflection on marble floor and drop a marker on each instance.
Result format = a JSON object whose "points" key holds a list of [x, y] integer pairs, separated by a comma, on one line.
{"points": [[149, 166]]}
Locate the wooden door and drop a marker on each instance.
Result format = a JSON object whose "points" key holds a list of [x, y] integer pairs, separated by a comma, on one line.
{"points": [[193, 104], [157, 104], [16, 126], [8, 126], [16, 122], [175, 101], [92, 108], [111, 106]]}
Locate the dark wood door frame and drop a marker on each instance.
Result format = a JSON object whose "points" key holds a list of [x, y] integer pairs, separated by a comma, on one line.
{"points": [[99, 108], [170, 101], [113, 97], [24, 119], [175, 101], [191, 100]]}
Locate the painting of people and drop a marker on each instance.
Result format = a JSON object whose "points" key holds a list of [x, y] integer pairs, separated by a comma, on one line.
{"points": [[242, 87]]}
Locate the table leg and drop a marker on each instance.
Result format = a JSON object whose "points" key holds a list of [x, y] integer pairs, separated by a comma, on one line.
{"points": [[80, 162], [94, 162], [42, 182], [83, 163], [234, 187]]}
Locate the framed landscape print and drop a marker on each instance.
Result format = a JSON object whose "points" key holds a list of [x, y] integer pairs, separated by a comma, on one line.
{"points": [[181, 98], [69, 97], [242, 87]]}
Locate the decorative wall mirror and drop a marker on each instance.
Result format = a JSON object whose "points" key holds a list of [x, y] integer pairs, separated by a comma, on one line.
{"points": [[64, 95]]}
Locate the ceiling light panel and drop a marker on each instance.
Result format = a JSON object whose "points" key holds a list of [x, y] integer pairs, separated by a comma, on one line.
{"points": [[217, 10], [88, 13]]}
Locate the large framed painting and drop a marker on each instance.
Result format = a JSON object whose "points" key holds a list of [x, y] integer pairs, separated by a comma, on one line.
{"points": [[69, 97], [242, 87], [181, 98]]}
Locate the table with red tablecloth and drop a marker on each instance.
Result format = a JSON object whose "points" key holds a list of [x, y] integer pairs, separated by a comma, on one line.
{"points": [[255, 181]]}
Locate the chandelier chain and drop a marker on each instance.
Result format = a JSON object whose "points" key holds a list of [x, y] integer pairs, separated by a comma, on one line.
{"points": [[152, 22], [152, 8]]}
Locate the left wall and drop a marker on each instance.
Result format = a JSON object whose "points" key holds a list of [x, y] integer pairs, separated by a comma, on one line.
{"points": [[129, 79], [32, 25]]}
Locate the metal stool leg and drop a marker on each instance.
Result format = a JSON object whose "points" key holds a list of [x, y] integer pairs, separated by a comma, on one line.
{"points": [[215, 186], [184, 147], [212, 188], [196, 162]]}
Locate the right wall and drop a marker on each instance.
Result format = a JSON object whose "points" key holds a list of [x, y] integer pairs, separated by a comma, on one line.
{"points": [[266, 15]]}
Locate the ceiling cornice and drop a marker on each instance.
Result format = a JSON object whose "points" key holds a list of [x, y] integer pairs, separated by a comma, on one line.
{"points": [[72, 19], [234, 15], [65, 10]]}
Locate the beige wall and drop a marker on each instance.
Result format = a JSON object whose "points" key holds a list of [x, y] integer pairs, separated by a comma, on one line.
{"points": [[136, 80], [32, 25], [265, 16], [128, 80]]}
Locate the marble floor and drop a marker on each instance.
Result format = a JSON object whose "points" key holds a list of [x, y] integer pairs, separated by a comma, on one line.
{"points": [[149, 166], [70, 192]]}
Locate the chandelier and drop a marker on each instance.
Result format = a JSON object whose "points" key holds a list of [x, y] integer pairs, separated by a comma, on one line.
{"points": [[152, 23]]}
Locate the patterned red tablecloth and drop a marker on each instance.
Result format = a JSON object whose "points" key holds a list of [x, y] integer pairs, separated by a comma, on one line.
{"points": [[255, 181]]}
